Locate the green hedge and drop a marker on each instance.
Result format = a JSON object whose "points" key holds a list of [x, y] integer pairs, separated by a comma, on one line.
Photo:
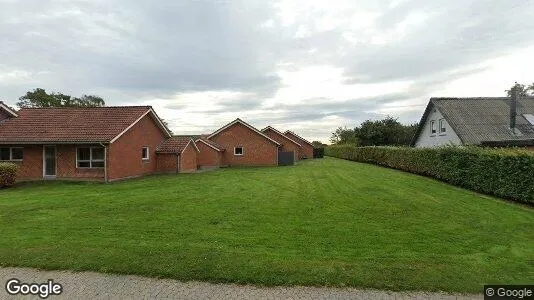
{"points": [[8, 174], [507, 173]]}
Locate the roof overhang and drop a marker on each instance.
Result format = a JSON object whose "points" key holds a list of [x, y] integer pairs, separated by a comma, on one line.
{"points": [[281, 134], [8, 109], [508, 143], [299, 137], [51, 142]]}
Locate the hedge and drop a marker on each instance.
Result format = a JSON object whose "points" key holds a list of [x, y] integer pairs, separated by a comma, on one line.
{"points": [[8, 174], [507, 173]]}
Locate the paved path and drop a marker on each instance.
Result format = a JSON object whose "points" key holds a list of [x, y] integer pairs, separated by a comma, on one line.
{"points": [[90, 285]]}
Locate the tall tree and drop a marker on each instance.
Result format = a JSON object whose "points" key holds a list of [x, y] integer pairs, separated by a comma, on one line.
{"points": [[40, 98], [524, 90], [343, 135]]}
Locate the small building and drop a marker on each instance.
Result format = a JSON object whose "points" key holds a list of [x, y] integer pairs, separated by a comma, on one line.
{"points": [[286, 143], [210, 155], [245, 145], [483, 121], [177, 155], [97, 143], [306, 149]]}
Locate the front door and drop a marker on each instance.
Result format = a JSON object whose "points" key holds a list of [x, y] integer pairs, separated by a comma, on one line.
{"points": [[49, 161]]}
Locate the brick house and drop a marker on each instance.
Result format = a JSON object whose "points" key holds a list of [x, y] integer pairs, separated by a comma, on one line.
{"points": [[210, 155], [100, 143], [245, 145], [177, 155], [306, 150], [286, 144]]}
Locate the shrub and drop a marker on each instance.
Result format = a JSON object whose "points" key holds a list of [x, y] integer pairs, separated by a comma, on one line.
{"points": [[8, 174], [506, 173], [318, 152]]}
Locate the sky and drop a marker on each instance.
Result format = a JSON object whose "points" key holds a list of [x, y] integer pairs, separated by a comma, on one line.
{"points": [[307, 66]]}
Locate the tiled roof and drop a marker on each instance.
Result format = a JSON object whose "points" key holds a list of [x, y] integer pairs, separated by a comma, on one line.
{"points": [[298, 137], [270, 128], [65, 125], [483, 119], [175, 144]]}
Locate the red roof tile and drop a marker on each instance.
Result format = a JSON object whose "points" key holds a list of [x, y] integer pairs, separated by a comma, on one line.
{"points": [[95, 124], [175, 144]]}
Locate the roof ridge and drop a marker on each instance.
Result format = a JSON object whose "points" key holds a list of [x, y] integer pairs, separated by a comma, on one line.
{"points": [[90, 107]]}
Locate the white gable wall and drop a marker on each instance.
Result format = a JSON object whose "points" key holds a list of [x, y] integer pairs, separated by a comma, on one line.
{"points": [[426, 139]]}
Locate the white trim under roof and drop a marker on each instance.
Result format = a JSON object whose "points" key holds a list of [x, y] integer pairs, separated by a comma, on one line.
{"points": [[246, 125], [208, 144], [8, 109], [303, 139], [194, 144], [271, 128], [150, 110]]}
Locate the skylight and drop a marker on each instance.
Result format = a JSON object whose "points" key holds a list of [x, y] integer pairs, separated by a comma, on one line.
{"points": [[530, 118]]}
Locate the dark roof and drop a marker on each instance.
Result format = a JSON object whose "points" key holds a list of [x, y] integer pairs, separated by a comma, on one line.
{"points": [[175, 144], [71, 125], [480, 119]]}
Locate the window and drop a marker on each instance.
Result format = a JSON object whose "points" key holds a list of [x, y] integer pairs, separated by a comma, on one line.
{"points": [[11, 153], [530, 118], [432, 127], [145, 153], [442, 128], [238, 151], [90, 157]]}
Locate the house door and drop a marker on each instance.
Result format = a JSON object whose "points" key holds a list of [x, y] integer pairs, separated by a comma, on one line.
{"points": [[49, 162]]}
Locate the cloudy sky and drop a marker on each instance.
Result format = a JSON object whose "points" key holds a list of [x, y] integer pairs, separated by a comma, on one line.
{"points": [[309, 66]]}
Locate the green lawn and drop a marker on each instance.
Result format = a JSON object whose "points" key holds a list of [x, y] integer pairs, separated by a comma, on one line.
{"points": [[324, 222]]}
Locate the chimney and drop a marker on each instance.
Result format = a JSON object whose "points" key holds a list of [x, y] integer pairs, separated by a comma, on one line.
{"points": [[513, 107]]}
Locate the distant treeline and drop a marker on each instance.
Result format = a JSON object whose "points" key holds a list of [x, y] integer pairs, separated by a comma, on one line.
{"points": [[385, 132]]}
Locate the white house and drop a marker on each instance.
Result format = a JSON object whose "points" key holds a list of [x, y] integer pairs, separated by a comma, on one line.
{"points": [[498, 121]]}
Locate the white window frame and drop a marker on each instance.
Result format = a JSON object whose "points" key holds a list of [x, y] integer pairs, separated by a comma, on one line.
{"points": [[433, 130], [91, 160], [242, 151], [442, 126], [11, 153], [147, 153]]}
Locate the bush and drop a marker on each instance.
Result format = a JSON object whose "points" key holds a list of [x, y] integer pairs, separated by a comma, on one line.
{"points": [[318, 152], [8, 174], [506, 173]]}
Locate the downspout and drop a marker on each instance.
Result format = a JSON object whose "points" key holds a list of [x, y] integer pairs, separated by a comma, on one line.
{"points": [[105, 162]]}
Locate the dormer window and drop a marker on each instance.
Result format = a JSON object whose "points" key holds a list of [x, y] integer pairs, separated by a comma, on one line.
{"points": [[432, 127]]}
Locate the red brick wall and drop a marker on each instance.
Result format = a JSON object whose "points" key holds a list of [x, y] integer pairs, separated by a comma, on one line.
{"points": [[167, 163], [31, 167], [287, 146], [66, 164], [188, 159], [124, 158], [208, 157], [257, 150], [306, 151]]}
